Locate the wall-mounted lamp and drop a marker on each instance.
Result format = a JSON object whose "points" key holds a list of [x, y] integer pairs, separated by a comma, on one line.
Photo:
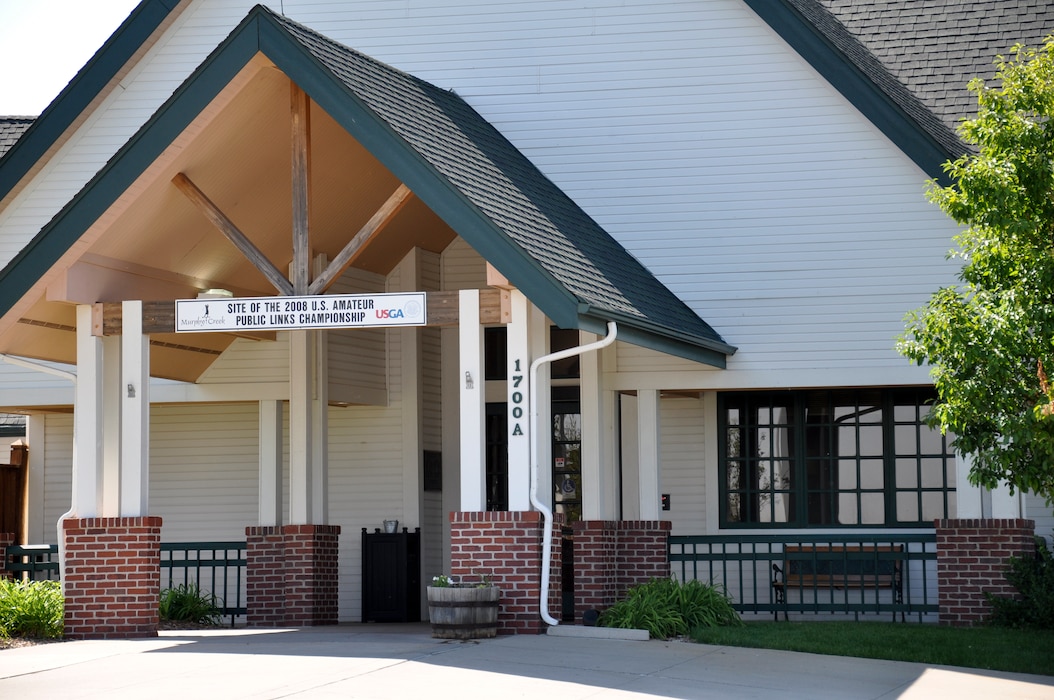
{"points": [[468, 380], [215, 294]]}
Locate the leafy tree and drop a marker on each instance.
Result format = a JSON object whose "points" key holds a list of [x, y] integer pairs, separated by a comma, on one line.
{"points": [[990, 339]]}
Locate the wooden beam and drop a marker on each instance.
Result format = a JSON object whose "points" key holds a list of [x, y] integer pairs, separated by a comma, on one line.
{"points": [[160, 316], [232, 233], [300, 121], [381, 218]]}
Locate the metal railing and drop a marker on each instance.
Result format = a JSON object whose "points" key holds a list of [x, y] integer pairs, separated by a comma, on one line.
{"points": [[743, 565], [214, 568], [32, 562]]}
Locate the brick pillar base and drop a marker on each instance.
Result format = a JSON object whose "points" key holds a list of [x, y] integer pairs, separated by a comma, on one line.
{"points": [[291, 575], [612, 556], [112, 577], [972, 558], [507, 547]]}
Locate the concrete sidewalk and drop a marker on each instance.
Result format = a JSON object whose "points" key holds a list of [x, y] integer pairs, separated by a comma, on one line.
{"points": [[403, 661]]}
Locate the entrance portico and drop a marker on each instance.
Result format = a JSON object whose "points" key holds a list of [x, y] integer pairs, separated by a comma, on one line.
{"points": [[286, 152]]}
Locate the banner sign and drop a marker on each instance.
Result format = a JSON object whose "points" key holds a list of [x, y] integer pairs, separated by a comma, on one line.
{"points": [[299, 313]]}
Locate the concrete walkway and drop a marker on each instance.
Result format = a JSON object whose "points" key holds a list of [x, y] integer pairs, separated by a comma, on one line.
{"points": [[403, 661]]}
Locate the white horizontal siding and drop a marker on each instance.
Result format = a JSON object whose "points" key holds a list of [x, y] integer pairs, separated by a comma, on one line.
{"points": [[251, 361], [58, 470], [204, 466], [682, 472], [357, 370], [462, 267]]}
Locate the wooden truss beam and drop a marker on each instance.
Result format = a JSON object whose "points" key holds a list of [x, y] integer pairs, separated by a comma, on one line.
{"points": [[381, 218], [233, 233]]}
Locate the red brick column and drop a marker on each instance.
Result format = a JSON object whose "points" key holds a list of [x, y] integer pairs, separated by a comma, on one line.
{"points": [[612, 556], [507, 547], [264, 576], [311, 574], [596, 578], [972, 558], [642, 553], [112, 577], [291, 575], [6, 538]]}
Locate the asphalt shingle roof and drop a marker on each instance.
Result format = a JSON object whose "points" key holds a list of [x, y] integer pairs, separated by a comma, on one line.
{"points": [[935, 47], [508, 189], [11, 129]]}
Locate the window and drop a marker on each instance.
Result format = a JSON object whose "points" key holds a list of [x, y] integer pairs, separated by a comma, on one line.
{"points": [[833, 458]]}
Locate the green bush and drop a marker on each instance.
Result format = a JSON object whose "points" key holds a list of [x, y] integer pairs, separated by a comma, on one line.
{"points": [[1033, 577], [668, 608], [186, 603], [31, 609]]}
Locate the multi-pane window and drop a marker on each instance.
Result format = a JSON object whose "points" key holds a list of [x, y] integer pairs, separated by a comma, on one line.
{"points": [[833, 458]]}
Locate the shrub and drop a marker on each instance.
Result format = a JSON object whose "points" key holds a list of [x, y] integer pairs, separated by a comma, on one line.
{"points": [[668, 608], [186, 603], [31, 609], [1033, 577]]}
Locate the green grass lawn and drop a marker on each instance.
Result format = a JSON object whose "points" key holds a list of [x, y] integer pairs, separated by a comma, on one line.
{"points": [[991, 648]]}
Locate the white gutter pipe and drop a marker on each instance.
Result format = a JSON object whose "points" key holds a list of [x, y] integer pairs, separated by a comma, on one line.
{"points": [[547, 513], [55, 371]]}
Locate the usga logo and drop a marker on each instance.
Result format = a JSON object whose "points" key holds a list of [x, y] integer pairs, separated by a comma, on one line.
{"points": [[411, 310]]}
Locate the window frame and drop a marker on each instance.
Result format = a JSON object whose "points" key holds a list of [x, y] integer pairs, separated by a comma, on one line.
{"points": [[797, 462]]}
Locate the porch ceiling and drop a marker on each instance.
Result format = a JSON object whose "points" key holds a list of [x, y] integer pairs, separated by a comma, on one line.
{"points": [[154, 243]]}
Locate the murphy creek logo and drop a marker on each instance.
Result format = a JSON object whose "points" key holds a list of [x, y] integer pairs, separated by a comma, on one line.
{"points": [[291, 313]]}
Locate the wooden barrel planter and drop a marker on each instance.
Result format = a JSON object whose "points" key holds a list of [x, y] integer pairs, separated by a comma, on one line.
{"points": [[463, 613]]}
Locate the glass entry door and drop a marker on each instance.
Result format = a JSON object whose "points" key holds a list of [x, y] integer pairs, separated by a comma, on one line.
{"points": [[567, 453]]}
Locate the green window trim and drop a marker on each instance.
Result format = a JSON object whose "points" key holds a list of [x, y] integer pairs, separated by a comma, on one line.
{"points": [[832, 458]]}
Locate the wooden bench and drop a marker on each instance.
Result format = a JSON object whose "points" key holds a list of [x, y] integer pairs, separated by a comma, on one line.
{"points": [[833, 567]]}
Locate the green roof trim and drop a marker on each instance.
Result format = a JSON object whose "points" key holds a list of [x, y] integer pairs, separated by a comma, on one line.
{"points": [[452, 159], [824, 43], [140, 24]]}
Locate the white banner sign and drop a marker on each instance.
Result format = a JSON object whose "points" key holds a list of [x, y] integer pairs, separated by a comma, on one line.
{"points": [[297, 313]]}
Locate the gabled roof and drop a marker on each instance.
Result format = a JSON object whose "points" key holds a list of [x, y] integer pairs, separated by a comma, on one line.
{"points": [[11, 129], [454, 161]]}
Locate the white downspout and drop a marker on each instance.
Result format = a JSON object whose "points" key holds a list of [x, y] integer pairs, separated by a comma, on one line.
{"points": [[547, 513], [55, 371]]}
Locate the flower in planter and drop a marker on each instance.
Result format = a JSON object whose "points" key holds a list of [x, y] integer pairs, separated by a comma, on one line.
{"points": [[450, 581]]}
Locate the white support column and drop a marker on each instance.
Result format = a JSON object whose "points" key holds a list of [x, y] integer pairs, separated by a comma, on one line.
{"points": [[87, 419], [630, 451], [270, 441], [472, 411], [135, 412], [518, 406], [968, 498], [648, 451], [320, 430], [1004, 504], [35, 439], [598, 480], [408, 279], [111, 426], [538, 339], [301, 428]]}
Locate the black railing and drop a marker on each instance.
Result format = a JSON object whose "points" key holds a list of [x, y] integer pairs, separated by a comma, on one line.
{"points": [[815, 574], [214, 568], [32, 562]]}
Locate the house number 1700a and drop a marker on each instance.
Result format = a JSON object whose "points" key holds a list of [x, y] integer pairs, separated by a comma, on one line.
{"points": [[516, 398]]}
